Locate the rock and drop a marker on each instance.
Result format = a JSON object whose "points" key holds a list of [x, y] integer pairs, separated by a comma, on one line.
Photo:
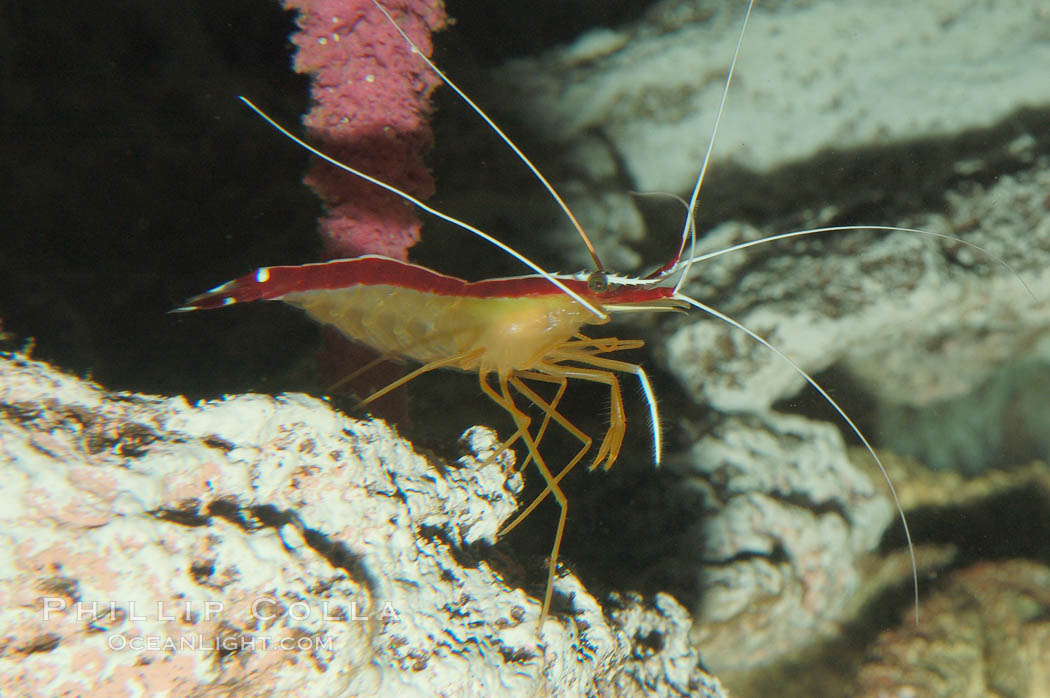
{"points": [[982, 582], [984, 632], [914, 322], [787, 518], [270, 545], [663, 661], [838, 75]]}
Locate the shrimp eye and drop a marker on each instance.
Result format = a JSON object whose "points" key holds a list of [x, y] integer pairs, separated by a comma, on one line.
{"points": [[598, 282]]}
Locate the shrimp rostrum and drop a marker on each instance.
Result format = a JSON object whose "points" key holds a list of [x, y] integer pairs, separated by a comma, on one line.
{"points": [[514, 332]]}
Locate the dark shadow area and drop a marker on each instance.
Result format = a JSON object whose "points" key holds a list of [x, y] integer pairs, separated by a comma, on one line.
{"points": [[134, 177], [255, 518], [1013, 524], [501, 31]]}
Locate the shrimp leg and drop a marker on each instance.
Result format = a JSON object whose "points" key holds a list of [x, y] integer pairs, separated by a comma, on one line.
{"points": [[425, 368], [610, 447], [360, 372], [550, 413], [547, 408], [504, 399]]}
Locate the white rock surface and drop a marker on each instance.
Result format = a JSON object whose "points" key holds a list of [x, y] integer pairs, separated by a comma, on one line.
{"points": [[779, 543], [264, 545], [836, 74], [916, 322]]}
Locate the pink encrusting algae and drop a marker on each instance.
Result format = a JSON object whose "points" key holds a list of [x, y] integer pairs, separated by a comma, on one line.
{"points": [[370, 108]]}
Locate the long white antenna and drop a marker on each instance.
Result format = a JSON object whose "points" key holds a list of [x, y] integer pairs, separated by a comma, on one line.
{"points": [[432, 211], [840, 228], [842, 413], [499, 132], [689, 229]]}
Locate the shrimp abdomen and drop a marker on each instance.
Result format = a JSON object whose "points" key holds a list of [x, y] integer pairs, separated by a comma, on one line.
{"points": [[500, 334]]}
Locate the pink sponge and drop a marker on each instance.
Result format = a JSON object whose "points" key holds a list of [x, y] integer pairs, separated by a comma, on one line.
{"points": [[371, 102]]}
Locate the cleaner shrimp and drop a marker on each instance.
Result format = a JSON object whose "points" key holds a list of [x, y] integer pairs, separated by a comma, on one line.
{"points": [[514, 331]]}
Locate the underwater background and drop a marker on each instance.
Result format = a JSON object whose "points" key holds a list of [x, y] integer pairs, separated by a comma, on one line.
{"points": [[133, 179]]}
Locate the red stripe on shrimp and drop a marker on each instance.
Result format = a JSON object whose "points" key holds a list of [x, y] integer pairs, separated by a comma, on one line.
{"points": [[273, 283]]}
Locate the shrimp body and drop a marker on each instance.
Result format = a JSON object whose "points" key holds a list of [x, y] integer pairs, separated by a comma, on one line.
{"points": [[499, 334], [409, 312], [518, 328]]}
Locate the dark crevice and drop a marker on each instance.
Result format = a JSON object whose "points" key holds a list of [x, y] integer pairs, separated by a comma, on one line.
{"points": [[339, 555], [653, 641], [228, 509], [188, 516], [501, 31], [1007, 525], [464, 557], [255, 518], [45, 642], [778, 555]]}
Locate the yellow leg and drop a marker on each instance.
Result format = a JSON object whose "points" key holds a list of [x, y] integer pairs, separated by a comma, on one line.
{"points": [[550, 413], [617, 419], [504, 400], [505, 446], [613, 440], [425, 368], [609, 449], [354, 374], [601, 345], [550, 409], [611, 443], [611, 364], [403, 351], [539, 435]]}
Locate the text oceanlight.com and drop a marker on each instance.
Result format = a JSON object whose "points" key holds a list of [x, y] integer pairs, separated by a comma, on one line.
{"points": [[243, 643]]}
